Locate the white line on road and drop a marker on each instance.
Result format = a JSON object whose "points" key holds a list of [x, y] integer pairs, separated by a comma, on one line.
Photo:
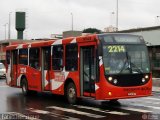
{"points": [[118, 113], [65, 117], [136, 110], [103, 111], [38, 111], [148, 106], [77, 112]]}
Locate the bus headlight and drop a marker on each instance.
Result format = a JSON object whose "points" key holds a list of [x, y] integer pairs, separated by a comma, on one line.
{"points": [[115, 81], [146, 76], [143, 80], [110, 79]]}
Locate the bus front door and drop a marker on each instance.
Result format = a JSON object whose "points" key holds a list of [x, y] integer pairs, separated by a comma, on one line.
{"points": [[14, 68], [87, 66], [46, 63]]}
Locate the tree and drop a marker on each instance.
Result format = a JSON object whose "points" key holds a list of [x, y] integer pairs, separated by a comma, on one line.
{"points": [[92, 30]]}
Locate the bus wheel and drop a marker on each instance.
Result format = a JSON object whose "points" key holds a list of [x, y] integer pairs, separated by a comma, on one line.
{"points": [[24, 86], [71, 94]]}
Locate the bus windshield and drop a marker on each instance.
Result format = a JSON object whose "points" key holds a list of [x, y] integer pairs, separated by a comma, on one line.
{"points": [[125, 59]]}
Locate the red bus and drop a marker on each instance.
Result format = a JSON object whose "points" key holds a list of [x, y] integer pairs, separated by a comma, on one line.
{"points": [[102, 66]]}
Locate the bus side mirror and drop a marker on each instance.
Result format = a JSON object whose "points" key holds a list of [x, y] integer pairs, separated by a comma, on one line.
{"points": [[97, 67], [99, 50]]}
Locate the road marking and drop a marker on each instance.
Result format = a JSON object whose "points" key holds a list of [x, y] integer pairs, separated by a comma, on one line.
{"points": [[118, 113], [153, 107], [91, 108], [136, 110], [38, 111], [65, 117], [103, 111], [77, 112]]}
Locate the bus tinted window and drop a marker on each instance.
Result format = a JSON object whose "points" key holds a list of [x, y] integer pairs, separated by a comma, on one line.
{"points": [[71, 57], [121, 38], [57, 57], [34, 58], [47, 58], [23, 56]]}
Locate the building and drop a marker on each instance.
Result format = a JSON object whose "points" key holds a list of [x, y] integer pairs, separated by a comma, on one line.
{"points": [[151, 36], [56, 36], [71, 33], [110, 29]]}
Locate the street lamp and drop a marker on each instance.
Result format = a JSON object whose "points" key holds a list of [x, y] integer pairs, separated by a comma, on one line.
{"points": [[157, 19], [112, 19], [9, 26], [72, 20], [117, 16], [5, 32]]}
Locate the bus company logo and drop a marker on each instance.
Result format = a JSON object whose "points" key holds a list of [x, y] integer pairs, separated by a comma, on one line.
{"points": [[59, 77], [22, 70]]}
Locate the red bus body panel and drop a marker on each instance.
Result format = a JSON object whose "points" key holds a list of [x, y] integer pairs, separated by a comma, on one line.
{"points": [[55, 80]]}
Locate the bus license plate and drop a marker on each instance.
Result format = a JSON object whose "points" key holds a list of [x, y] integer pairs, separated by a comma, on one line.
{"points": [[132, 94]]}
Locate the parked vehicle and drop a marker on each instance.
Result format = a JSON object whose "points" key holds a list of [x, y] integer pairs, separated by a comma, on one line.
{"points": [[2, 70]]}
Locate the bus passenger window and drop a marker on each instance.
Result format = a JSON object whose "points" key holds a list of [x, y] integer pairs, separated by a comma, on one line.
{"points": [[23, 56], [57, 57], [34, 58], [71, 57]]}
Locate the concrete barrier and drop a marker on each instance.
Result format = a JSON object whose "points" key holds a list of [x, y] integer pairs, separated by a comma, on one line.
{"points": [[156, 84]]}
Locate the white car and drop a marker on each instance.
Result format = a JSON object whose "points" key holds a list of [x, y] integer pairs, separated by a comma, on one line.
{"points": [[2, 70]]}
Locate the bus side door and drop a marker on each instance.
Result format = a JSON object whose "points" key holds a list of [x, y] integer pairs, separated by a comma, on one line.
{"points": [[87, 70], [46, 66], [14, 57]]}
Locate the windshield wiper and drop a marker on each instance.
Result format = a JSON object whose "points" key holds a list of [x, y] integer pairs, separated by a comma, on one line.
{"points": [[125, 66], [137, 68]]}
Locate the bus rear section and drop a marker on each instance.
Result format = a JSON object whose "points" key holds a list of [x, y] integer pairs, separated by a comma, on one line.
{"points": [[124, 67]]}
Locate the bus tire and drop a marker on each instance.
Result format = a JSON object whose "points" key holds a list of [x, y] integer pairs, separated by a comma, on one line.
{"points": [[113, 100], [71, 94], [24, 86]]}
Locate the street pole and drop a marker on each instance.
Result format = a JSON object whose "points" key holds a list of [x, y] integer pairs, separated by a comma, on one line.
{"points": [[157, 19], [112, 19], [117, 16], [5, 30], [9, 26], [72, 20]]}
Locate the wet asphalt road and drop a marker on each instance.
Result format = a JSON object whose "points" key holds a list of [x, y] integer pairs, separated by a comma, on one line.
{"points": [[13, 105]]}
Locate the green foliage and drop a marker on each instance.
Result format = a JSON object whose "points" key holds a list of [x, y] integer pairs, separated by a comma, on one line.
{"points": [[92, 30]]}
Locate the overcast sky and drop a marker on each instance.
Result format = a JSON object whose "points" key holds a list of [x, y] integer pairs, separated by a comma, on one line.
{"points": [[45, 17]]}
